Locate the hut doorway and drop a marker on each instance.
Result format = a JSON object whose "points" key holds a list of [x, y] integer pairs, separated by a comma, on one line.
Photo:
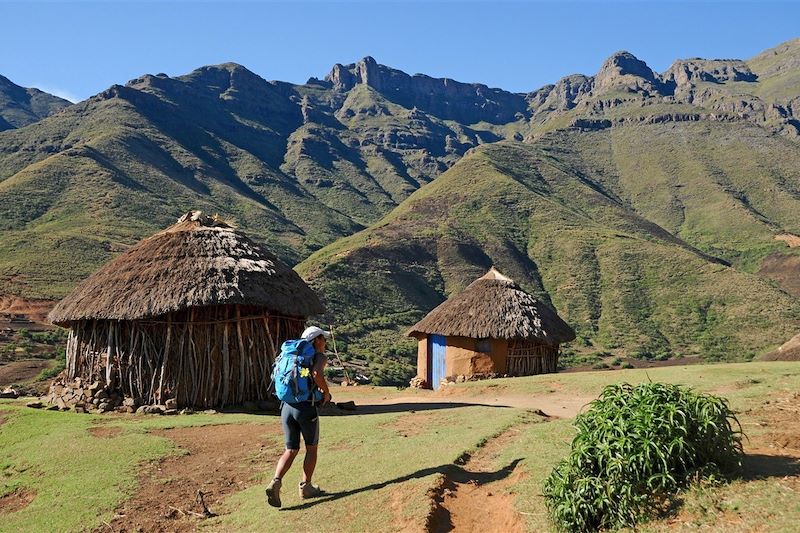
{"points": [[437, 347]]}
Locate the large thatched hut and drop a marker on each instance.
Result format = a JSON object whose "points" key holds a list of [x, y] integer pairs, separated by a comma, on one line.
{"points": [[194, 313], [492, 327]]}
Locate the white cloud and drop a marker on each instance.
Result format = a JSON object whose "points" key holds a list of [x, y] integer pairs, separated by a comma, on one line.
{"points": [[61, 93]]}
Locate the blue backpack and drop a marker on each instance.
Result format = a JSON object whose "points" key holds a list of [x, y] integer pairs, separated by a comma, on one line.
{"points": [[291, 373]]}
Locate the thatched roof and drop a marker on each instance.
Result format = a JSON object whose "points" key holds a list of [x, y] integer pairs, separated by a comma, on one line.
{"points": [[198, 261], [788, 351], [494, 306]]}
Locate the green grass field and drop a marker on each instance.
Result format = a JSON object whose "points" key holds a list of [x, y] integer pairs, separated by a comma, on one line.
{"points": [[379, 467]]}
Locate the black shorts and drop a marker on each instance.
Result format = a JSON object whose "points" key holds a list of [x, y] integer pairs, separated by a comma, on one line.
{"points": [[297, 419]]}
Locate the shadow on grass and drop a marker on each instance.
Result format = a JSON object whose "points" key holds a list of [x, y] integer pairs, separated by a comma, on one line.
{"points": [[758, 466], [755, 467], [453, 474], [368, 409], [406, 407]]}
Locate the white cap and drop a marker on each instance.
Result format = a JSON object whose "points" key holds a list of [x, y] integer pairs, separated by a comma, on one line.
{"points": [[313, 332]]}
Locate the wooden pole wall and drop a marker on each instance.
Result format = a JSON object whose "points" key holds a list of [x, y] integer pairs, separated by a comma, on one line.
{"points": [[526, 358], [204, 357]]}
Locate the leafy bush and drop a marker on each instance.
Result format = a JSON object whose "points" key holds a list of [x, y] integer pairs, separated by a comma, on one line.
{"points": [[59, 365], [635, 447], [392, 373], [49, 337], [573, 360]]}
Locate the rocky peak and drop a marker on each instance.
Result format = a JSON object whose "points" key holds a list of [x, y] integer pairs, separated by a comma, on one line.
{"points": [[467, 103], [624, 71], [691, 71], [367, 71], [20, 106], [221, 75], [561, 96]]}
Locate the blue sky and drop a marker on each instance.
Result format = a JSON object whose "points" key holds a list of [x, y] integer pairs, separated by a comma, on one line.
{"points": [[77, 49]]}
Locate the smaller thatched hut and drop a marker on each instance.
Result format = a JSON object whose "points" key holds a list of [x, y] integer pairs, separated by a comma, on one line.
{"points": [[194, 313], [788, 351], [492, 327]]}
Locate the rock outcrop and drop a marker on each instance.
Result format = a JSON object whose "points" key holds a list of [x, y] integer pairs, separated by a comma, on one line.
{"points": [[691, 71], [625, 72], [467, 103]]}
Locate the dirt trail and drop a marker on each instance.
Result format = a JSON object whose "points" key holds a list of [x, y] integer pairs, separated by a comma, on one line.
{"points": [[474, 496], [219, 461], [555, 405]]}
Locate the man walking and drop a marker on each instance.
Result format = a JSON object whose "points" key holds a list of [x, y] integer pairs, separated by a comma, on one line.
{"points": [[301, 418]]}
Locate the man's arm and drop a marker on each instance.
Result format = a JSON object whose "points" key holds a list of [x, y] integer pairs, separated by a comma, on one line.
{"points": [[318, 373]]}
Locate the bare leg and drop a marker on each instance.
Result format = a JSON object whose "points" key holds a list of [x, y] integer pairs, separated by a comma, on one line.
{"points": [[309, 463], [285, 463]]}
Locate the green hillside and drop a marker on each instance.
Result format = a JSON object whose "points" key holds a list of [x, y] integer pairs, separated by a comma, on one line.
{"points": [[20, 106], [655, 211], [628, 231], [296, 166]]}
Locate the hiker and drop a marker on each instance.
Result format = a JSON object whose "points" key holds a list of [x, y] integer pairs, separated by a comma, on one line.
{"points": [[299, 416]]}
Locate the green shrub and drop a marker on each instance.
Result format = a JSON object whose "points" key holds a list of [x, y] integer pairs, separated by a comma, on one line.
{"points": [[59, 365], [616, 361], [49, 337], [392, 373], [635, 447], [626, 365]]}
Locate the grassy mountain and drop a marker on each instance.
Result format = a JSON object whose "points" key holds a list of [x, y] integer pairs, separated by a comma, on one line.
{"points": [[654, 210], [297, 166], [570, 218], [20, 106]]}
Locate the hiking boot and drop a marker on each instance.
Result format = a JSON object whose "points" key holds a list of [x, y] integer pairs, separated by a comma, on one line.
{"points": [[274, 493], [309, 490]]}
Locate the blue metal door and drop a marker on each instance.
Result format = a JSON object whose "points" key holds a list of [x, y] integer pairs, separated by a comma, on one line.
{"points": [[436, 350]]}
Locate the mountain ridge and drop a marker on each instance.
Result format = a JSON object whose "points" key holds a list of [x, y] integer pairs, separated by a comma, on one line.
{"points": [[342, 176], [20, 106]]}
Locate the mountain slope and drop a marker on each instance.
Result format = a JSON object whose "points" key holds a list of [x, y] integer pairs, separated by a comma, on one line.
{"points": [[593, 223], [654, 210], [297, 166], [20, 106]]}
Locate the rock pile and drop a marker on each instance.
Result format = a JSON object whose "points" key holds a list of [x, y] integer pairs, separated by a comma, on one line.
{"points": [[449, 380], [93, 397], [83, 397], [9, 392], [86, 397], [418, 383]]}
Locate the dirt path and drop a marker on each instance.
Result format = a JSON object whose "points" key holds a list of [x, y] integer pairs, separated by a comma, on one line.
{"points": [[218, 460], [555, 405], [474, 496]]}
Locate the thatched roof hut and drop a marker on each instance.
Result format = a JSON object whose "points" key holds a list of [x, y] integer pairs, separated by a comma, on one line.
{"points": [[194, 312], [492, 327], [788, 351]]}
